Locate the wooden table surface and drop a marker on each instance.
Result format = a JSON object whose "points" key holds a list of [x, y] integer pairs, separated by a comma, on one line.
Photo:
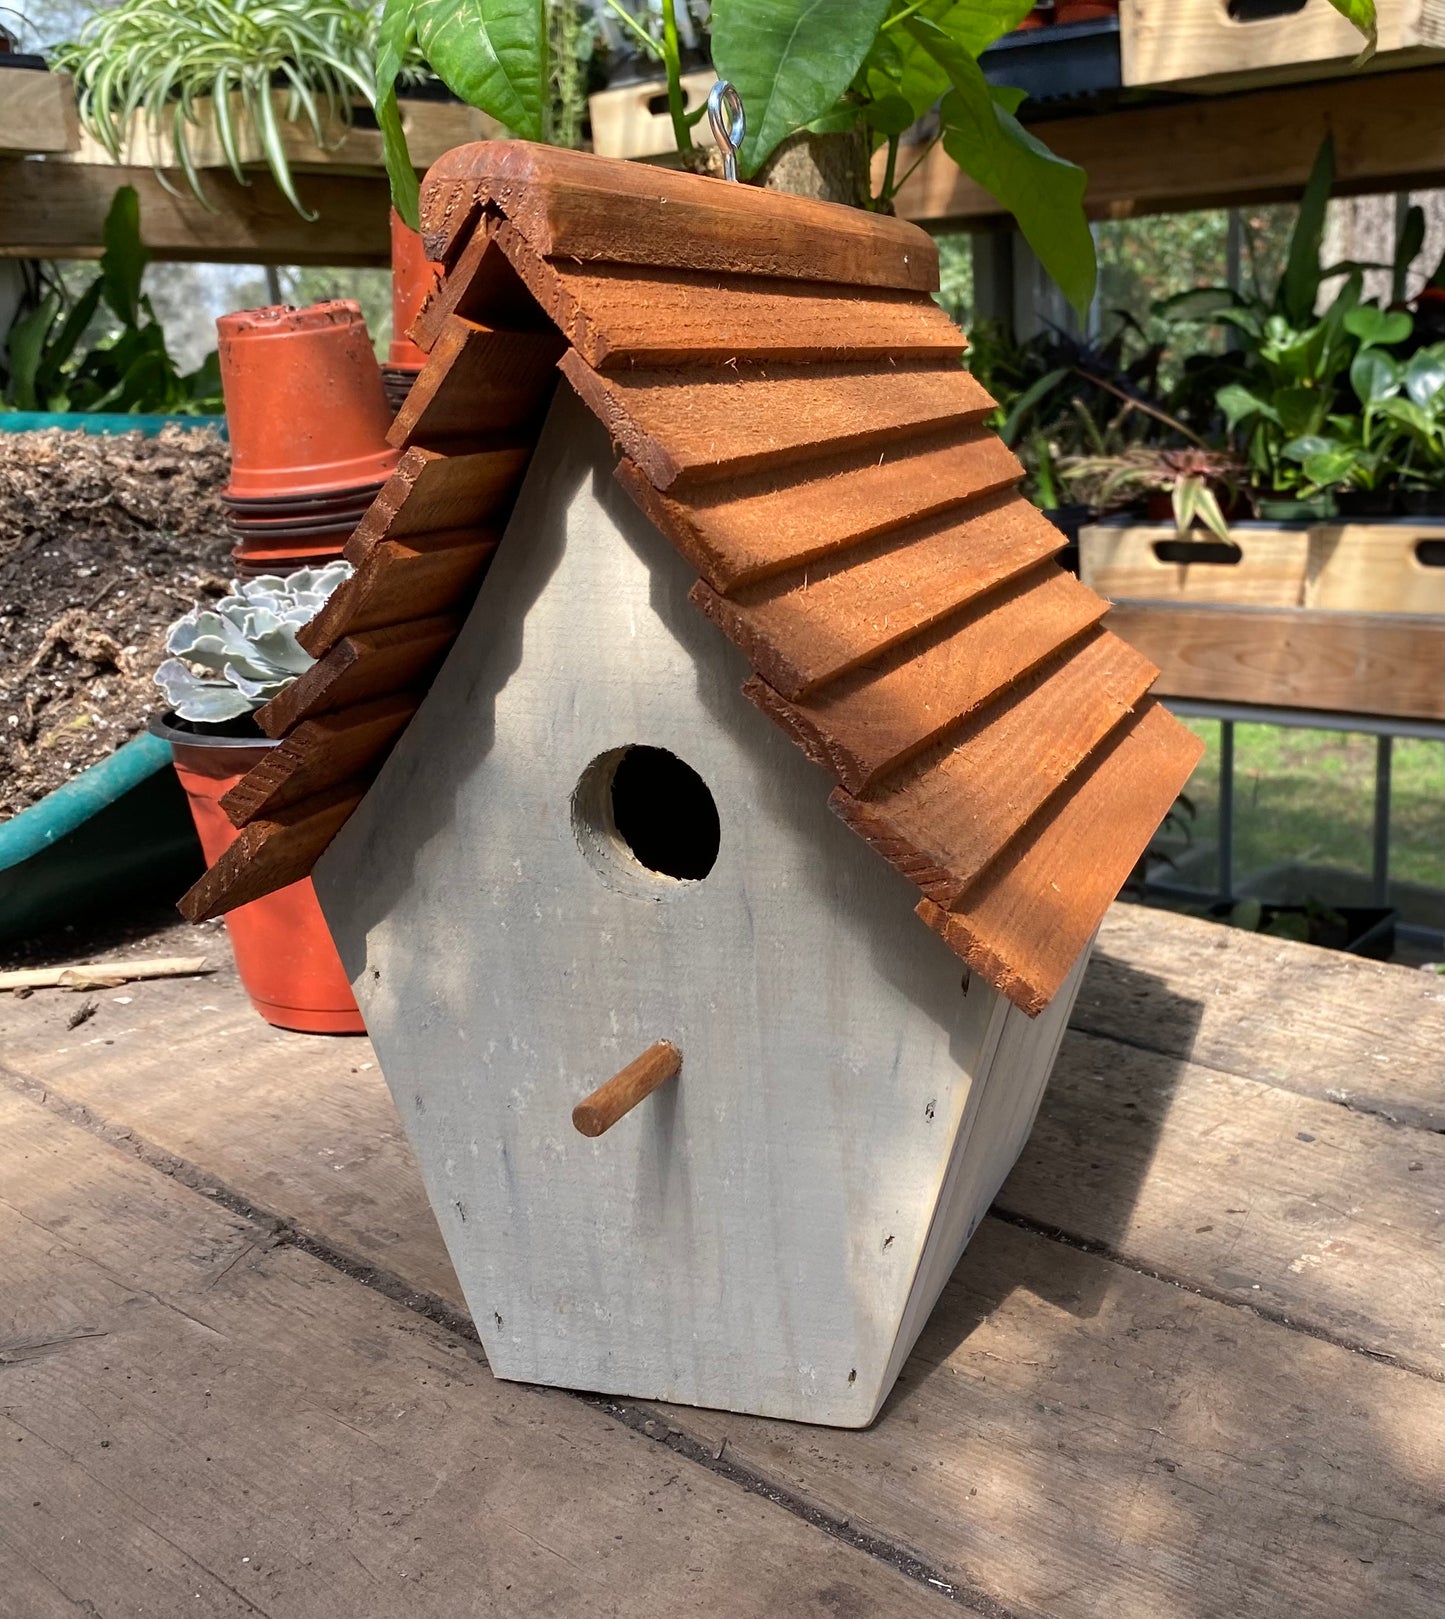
{"points": [[1190, 1366]]}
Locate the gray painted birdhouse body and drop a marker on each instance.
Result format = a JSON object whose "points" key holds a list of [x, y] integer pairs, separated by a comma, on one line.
{"points": [[768, 1231]]}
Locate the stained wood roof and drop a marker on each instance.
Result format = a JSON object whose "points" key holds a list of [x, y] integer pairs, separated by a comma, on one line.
{"points": [[792, 415]]}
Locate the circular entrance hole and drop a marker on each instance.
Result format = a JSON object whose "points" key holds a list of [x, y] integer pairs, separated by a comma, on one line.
{"points": [[641, 806]]}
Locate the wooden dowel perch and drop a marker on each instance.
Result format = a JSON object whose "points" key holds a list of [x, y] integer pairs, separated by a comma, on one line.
{"points": [[620, 1094]]}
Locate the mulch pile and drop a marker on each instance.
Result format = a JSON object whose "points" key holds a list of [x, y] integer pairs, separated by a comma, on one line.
{"points": [[104, 542]]}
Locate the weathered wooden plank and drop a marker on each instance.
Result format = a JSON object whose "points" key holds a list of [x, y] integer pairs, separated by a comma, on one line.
{"points": [[573, 205], [874, 719], [1072, 1439], [943, 819], [195, 1393], [1359, 663], [479, 382], [1319, 1022], [1271, 1199], [271, 853], [479, 285], [395, 584], [432, 493], [1048, 1382], [57, 209], [757, 526], [1216, 152], [619, 316], [800, 631], [371, 663], [1026, 920], [319, 754], [680, 427]]}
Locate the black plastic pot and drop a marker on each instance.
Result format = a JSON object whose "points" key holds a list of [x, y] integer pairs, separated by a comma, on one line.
{"points": [[1363, 930], [1374, 503], [1423, 502]]}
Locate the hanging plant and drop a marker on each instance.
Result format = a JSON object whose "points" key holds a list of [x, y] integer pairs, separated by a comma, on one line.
{"points": [[254, 65]]}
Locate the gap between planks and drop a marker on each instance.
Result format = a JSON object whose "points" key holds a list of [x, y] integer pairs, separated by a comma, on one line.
{"points": [[275, 1230], [453, 1314]]}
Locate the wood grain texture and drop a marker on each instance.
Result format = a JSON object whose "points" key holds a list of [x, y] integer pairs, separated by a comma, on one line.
{"points": [[58, 210], [1050, 1380], [318, 755], [1024, 923], [948, 815], [481, 285], [479, 383], [753, 527], [395, 584], [271, 853], [1271, 1199], [573, 205], [218, 1384], [1250, 1005], [874, 719], [371, 663], [614, 1098], [1215, 152], [1376, 568], [1119, 561], [1199, 41], [680, 427], [37, 113], [432, 493], [1360, 663], [624, 316], [799, 632]]}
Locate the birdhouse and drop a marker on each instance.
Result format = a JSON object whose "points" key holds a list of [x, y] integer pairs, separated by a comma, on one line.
{"points": [[712, 783]]}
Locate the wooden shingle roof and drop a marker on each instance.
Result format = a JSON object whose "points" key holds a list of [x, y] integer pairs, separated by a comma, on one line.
{"points": [[792, 415]]}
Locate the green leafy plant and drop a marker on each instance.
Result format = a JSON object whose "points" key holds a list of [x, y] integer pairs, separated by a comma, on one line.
{"points": [[825, 66], [129, 370], [179, 63], [231, 658]]}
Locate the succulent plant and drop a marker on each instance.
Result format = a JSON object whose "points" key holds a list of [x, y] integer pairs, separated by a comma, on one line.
{"points": [[233, 657]]}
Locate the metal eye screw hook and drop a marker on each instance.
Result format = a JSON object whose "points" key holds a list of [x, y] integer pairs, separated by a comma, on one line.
{"points": [[725, 114]]}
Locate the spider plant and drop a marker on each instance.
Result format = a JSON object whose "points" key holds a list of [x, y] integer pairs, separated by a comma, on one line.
{"points": [[166, 59]]}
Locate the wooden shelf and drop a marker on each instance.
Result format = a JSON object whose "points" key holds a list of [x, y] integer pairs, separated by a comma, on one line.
{"points": [[1354, 663], [1256, 146], [57, 210]]}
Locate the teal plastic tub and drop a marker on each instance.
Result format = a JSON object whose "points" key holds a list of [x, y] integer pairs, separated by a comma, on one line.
{"points": [[120, 829], [99, 421]]}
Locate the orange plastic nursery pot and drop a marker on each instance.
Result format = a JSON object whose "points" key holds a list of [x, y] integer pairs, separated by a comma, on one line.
{"points": [[284, 954], [305, 406], [412, 277]]}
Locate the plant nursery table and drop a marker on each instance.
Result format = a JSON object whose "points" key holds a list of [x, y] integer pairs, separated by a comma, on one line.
{"points": [[1188, 1367]]}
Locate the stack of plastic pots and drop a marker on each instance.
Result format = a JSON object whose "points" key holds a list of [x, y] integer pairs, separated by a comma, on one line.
{"points": [[412, 278], [307, 417]]}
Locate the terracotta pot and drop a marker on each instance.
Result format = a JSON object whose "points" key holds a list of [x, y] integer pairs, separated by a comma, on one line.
{"points": [[412, 278], [1084, 10], [304, 402], [284, 954]]}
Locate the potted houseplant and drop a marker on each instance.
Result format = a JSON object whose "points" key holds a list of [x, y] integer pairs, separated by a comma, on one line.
{"points": [[229, 659]]}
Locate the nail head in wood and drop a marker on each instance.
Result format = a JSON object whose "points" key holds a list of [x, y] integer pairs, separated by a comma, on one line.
{"points": [[598, 1112]]}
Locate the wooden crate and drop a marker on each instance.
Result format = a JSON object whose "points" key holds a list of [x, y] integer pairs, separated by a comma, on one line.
{"points": [[37, 112], [1377, 567], [1122, 561], [1196, 43], [633, 121], [432, 128], [1353, 663]]}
